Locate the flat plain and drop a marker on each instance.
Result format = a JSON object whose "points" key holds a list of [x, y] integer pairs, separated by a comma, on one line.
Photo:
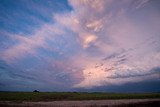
{"points": [[78, 99]]}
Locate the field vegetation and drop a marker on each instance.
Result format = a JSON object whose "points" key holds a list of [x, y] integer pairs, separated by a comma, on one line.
{"points": [[59, 96]]}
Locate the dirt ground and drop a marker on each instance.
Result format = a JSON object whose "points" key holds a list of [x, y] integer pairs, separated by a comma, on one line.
{"points": [[89, 103]]}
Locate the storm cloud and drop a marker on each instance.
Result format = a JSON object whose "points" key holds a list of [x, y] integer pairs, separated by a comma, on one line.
{"points": [[79, 43]]}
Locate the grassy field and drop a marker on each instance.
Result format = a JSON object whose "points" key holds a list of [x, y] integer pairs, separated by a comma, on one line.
{"points": [[56, 96]]}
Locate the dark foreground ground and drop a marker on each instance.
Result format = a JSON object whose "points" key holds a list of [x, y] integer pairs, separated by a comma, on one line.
{"points": [[87, 103], [77, 99], [65, 96]]}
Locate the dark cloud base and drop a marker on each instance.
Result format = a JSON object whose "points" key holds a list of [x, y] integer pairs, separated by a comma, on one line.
{"points": [[145, 86]]}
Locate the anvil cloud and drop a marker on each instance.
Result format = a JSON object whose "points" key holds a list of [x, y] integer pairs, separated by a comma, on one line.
{"points": [[84, 45]]}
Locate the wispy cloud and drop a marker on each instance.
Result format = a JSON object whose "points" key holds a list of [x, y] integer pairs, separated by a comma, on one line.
{"points": [[28, 45], [97, 43]]}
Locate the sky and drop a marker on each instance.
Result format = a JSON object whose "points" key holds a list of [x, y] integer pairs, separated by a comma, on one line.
{"points": [[80, 45]]}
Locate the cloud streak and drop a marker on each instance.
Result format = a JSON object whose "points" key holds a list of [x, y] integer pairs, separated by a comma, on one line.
{"points": [[97, 43]]}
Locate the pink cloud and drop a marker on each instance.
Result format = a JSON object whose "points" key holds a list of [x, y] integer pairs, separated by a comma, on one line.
{"points": [[102, 27], [28, 44]]}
